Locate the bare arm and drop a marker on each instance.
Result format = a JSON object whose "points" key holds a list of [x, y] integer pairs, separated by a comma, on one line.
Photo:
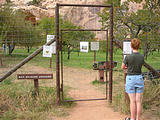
{"points": [[123, 66]]}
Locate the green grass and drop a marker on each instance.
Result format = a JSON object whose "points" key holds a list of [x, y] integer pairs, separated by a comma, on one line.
{"points": [[19, 101], [17, 94], [84, 60]]}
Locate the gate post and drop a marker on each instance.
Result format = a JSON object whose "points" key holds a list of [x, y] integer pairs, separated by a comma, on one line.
{"points": [[111, 54], [57, 53], [36, 86], [106, 63]]}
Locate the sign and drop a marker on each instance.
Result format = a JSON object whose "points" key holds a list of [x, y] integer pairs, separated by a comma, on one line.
{"points": [[127, 47], [95, 46], [47, 51], [35, 76], [84, 46], [50, 37], [53, 45], [53, 48]]}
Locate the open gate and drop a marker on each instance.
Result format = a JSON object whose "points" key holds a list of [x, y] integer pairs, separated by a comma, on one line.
{"points": [[60, 74], [81, 82]]}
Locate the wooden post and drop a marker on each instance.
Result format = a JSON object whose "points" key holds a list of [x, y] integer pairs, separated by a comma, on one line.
{"points": [[94, 56], [36, 86], [57, 53], [50, 62], [101, 75], [35, 77]]}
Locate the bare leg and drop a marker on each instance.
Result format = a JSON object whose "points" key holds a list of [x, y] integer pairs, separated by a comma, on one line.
{"points": [[138, 104], [132, 97]]}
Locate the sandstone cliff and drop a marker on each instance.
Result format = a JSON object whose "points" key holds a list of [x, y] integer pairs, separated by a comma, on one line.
{"points": [[85, 17]]}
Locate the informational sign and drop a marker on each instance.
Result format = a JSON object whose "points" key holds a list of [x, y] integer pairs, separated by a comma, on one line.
{"points": [[53, 45], [47, 51], [35, 76], [84, 46], [54, 48], [95, 46], [127, 47], [50, 37]]}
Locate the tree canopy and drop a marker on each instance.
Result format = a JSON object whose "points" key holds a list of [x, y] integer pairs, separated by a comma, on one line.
{"points": [[15, 30], [134, 23], [71, 39]]}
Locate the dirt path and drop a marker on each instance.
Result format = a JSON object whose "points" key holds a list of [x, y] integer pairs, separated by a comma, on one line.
{"points": [[80, 82]]}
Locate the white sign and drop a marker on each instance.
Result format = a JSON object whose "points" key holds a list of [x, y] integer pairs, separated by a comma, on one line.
{"points": [[50, 37], [47, 51], [84, 46], [54, 48], [95, 46], [127, 47], [53, 45]]}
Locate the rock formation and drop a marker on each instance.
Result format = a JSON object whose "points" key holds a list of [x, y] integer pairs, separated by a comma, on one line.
{"points": [[85, 17]]}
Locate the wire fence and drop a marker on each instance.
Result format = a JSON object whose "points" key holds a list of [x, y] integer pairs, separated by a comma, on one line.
{"points": [[21, 35]]}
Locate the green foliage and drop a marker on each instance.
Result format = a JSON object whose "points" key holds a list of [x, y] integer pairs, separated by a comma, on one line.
{"points": [[7, 82], [136, 24], [71, 39], [15, 30], [34, 2], [96, 82], [47, 25], [114, 2]]}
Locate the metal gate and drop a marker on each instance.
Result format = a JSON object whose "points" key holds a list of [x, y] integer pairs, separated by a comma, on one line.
{"points": [[78, 75], [60, 75]]}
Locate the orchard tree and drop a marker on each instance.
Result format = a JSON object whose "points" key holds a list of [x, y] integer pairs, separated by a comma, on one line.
{"points": [[71, 39], [14, 30], [135, 24]]}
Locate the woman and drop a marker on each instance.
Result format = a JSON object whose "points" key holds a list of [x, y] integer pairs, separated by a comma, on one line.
{"points": [[134, 81]]}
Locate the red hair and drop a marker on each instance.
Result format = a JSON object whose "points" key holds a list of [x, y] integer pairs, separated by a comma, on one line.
{"points": [[135, 43]]}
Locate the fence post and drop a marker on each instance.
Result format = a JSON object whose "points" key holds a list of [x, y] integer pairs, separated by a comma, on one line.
{"points": [[106, 63], [111, 55], [57, 53], [36, 86]]}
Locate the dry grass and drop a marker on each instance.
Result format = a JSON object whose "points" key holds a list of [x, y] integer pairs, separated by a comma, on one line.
{"points": [[151, 97], [19, 101]]}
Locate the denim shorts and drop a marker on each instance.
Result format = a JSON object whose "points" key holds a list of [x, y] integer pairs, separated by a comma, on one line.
{"points": [[134, 84]]}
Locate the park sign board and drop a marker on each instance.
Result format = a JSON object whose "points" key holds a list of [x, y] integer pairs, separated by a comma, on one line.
{"points": [[35, 76], [53, 45], [50, 37], [95, 46], [84, 46], [47, 51], [127, 47]]}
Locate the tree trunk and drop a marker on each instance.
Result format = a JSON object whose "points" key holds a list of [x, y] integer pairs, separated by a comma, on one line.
{"points": [[1, 61], [69, 52], [146, 46], [28, 49], [11, 48]]}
